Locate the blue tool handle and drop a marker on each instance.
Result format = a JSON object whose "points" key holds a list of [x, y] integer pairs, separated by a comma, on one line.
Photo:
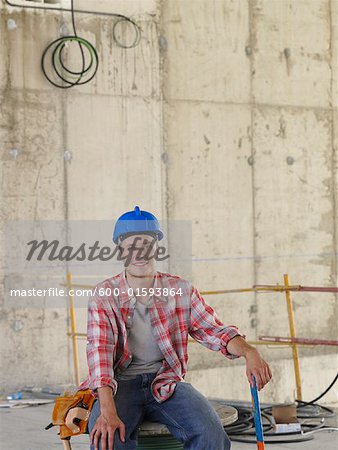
{"points": [[257, 413]]}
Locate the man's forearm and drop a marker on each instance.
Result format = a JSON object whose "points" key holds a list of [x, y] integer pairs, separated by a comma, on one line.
{"points": [[239, 347], [107, 403]]}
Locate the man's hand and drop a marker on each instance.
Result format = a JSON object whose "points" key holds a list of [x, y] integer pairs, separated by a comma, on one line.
{"points": [[255, 365], [104, 428]]}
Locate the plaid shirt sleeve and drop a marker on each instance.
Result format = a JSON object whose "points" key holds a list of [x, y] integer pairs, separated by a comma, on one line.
{"points": [[206, 327], [100, 347]]}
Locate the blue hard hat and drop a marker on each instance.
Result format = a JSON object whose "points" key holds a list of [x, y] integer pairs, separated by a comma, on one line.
{"points": [[137, 222]]}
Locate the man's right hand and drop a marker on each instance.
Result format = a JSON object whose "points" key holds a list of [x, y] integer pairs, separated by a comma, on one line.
{"points": [[104, 429]]}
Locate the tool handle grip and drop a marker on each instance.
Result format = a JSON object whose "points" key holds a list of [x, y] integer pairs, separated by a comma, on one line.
{"points": [[257, 415]]}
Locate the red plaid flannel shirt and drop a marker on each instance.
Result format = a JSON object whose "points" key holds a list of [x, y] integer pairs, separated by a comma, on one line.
{"points": [[173, 318]]}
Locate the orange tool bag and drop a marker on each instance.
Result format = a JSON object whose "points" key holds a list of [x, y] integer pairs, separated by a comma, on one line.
{"points": [[71, 413]]}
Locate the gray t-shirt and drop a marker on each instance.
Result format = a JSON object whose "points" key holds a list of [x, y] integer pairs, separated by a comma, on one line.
{"points": [[147, 356]]}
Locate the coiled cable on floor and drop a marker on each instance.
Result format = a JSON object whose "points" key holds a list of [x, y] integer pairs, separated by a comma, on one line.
{"points": [[313, 415]]}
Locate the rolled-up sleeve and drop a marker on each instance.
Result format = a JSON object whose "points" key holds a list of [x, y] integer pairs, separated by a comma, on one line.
{"points": [[100, 347], [206, 327]]}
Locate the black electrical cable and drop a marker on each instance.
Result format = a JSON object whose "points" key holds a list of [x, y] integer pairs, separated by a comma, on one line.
{"points": [[69, 77], [308, 411], [121, 17], [243, 430], [81, 11], [137, 32], [321, 395], [311, 409], [314, 411]]}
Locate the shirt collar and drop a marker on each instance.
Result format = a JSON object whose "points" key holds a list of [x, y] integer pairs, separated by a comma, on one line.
{"points": [[157, 286]]}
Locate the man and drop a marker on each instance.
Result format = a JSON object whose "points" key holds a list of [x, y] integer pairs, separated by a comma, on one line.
{"points": [[138, 327]]}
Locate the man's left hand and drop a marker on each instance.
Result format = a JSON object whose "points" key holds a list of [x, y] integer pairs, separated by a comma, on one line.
{"points": [[255, 365]]}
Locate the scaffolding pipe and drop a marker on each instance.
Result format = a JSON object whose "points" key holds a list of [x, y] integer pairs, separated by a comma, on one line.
{"points": [[277, 287], [255, 288], [73, 330], [293, 336], [304, 341]]}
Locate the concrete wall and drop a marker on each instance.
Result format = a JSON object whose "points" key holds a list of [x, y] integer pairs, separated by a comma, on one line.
{"points": [[225, 115]]}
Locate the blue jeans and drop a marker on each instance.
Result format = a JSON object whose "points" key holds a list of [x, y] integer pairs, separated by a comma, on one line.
{"points": [[188, 415]]}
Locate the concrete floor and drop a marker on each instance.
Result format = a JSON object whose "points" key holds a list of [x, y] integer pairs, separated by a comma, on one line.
{"points": [[23, 429]]}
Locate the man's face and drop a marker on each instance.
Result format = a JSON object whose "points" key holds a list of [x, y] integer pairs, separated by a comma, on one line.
{"points": [[138, 252]]}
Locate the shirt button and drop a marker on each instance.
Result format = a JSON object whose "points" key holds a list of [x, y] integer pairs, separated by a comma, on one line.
{"points": [[129, 356], [129, 317]]}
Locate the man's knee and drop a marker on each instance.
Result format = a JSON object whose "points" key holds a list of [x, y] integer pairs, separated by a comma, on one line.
{"points": [[212, 437], [129, 444], [208, 441]]}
